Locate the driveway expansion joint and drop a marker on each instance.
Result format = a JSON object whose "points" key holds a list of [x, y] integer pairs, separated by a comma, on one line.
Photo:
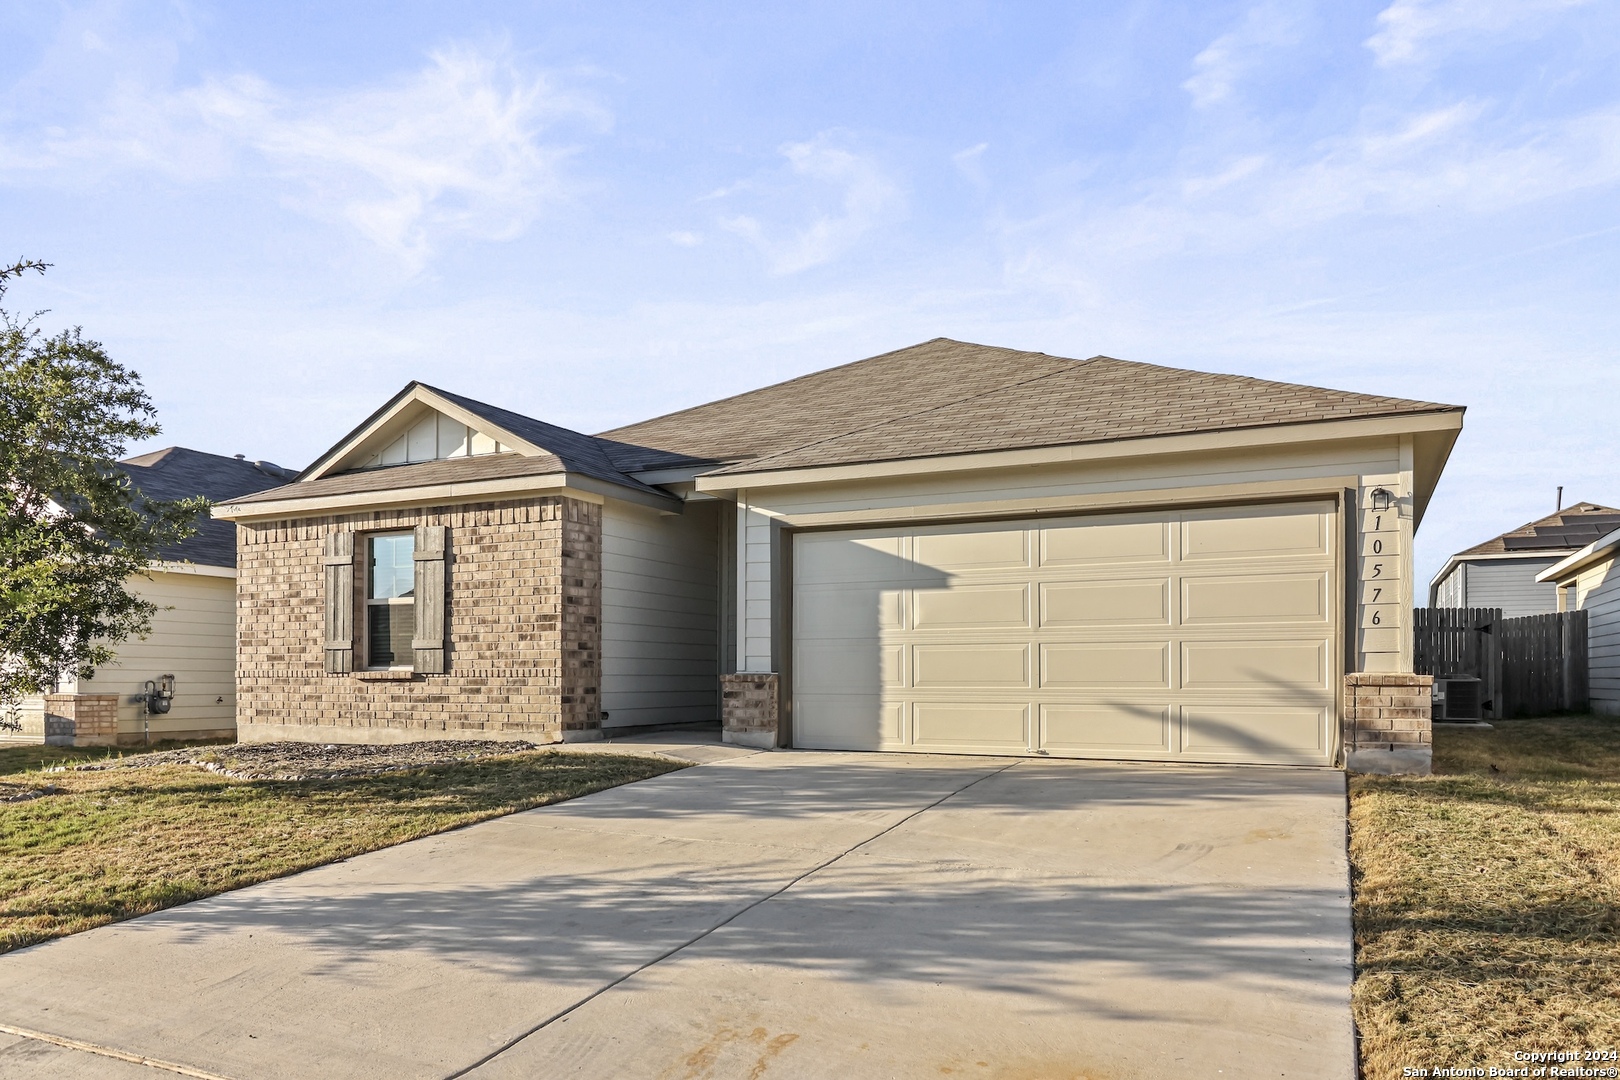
{"points": [[110, 1052]]}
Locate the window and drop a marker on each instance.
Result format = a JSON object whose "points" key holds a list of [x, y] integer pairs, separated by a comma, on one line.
{"points": [[390, 599]]}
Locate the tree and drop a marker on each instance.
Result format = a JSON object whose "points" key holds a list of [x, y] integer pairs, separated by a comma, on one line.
{"points": [[73, 528]]}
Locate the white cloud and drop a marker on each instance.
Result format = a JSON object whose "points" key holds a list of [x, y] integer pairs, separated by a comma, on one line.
{"points": [[864, 195], [686, 239], [1411, 30], [453, 150], [970, 163], [1223, 64]]}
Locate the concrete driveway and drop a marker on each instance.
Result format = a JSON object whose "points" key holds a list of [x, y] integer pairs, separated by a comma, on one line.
{"points": [[770, 914]]}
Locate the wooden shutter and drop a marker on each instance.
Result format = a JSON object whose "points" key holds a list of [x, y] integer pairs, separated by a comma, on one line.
{"points": [[428, 642], [337, 557]]}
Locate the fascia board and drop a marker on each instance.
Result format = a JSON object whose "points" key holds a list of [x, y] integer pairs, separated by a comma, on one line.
{"points": [[195, 569], [1200, 442], [545, 484], [414, 395], [1596, 551], [584, 488]]}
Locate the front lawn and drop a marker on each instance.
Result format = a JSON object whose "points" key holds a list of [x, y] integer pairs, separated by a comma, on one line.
{"points": [[1487, 900], [111, 844]]}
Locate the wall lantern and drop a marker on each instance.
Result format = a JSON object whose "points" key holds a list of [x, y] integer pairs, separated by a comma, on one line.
{"points": [[1382, 499]]}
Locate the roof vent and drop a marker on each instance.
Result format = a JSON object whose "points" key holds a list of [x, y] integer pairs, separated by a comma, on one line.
{"points": [[240, 457]]}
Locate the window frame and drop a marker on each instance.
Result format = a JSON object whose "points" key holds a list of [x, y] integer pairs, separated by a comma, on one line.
{"points": [[367, 552]]}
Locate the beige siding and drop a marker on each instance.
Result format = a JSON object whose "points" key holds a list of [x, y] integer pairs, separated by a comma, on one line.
{"points": [[660, 620], [193, 638], [1598, 593]]}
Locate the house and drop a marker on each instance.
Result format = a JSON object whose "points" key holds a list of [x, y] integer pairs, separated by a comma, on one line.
{"points": [[193, 635], [1502, 572], [1588, 580], [951, 548]]}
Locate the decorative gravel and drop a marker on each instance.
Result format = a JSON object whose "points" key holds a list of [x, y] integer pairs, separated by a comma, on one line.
{"points": [[314, 761], [10, 793]]}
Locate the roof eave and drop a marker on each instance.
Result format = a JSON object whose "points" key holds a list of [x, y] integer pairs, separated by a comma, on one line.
{"points": [[1596, 551], [1447, 420], [556, 483]]}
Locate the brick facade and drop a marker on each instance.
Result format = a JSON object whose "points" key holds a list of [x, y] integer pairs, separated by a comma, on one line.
{"points": [[750, 709], [1388, 722], [523, 619], [81, 719]]}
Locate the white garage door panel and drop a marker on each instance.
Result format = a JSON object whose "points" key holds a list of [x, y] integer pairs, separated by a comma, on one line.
{"points": [[835, 722], [1291, 598], [973, 606], [1105, 542], [1107, 729], [1208, 635], [853, 667], [1097, 667], [863, 611], [1290, 665], [978, 549], [1105, 603], [1259, 532], [1274, 732], [970, 666], [972, 727]]}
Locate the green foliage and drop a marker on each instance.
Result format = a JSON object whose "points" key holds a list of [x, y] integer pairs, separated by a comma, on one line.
{"points": [[73, 528]]}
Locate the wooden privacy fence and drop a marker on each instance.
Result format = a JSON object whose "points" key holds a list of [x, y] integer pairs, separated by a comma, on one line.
{"points": [[1528, 666]]}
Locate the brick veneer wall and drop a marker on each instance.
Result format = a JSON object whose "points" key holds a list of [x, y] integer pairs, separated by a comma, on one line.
{"points": [[81, 719], [1388, 722], [750, 708], [523, 620]]}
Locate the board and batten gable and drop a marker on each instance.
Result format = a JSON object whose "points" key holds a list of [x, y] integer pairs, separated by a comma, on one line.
{"points": [[1382, 560], [660, 615]]}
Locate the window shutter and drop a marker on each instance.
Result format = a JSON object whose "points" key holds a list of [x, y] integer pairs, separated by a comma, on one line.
{"points": [[337, 557], [428, 643]]}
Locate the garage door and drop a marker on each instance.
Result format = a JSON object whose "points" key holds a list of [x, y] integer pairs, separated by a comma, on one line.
{"points": [[1197, 635]]}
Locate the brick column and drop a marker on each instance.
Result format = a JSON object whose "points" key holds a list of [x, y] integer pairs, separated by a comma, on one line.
{"points": [[581, 626], [750, 705], [1387, 723], [81, 719]]}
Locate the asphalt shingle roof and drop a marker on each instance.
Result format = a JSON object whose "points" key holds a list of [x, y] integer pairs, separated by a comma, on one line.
{"points": [[951, 397], [1566, 531], [179, 473]]}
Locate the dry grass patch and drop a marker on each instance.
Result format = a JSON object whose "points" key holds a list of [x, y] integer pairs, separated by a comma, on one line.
{"points": [[123, 842], [1487, 899]]}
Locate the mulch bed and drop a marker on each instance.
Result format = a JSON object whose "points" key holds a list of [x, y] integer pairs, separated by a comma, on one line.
{"points": [[315, 761]]}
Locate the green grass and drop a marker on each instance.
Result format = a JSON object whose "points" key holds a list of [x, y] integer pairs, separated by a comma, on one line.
{"points": [[124, 842], [1487, 898]]}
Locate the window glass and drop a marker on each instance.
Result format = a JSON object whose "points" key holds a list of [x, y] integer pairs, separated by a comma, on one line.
{"points": [[393, 566], [389, 629], [390, 600]]}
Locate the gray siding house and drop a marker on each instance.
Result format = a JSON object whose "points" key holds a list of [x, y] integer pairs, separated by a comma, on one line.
{"points": [[1502, 572], [1589, 581]]}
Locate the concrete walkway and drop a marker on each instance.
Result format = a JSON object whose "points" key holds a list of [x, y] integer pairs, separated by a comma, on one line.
{"points": [[766, 914]]}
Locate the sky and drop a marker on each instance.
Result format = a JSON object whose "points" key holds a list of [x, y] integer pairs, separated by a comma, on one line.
{"points": [[593, 213]]}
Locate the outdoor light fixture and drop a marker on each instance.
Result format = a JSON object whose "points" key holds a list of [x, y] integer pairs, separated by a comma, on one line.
{"points": [[1382, 499]]}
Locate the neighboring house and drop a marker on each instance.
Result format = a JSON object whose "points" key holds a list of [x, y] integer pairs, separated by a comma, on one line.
{"points": [[950, 548], [1502, 572], [193, 636], [1589, 580]]}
